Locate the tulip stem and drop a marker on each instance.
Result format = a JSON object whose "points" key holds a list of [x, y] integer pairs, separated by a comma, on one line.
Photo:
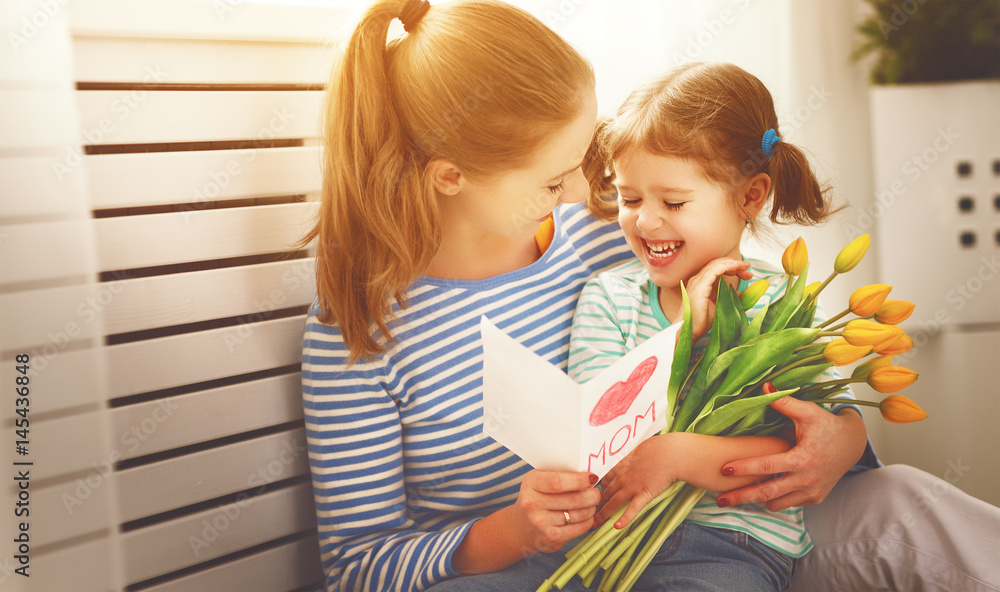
{"points": [[833, 319], [841, 326], [815, 295], [802, 362], [848, 402], [827, 384]]}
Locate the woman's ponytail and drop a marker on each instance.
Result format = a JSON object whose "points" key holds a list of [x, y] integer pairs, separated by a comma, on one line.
{"points": [[375, 195]]}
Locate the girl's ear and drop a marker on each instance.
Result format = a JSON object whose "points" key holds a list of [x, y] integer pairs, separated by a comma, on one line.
{"points": [[446, 177], [755, 192]]}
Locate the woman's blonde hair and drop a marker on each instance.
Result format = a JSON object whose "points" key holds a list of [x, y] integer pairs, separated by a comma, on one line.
{"points": [[715, 115], [479, 83]]}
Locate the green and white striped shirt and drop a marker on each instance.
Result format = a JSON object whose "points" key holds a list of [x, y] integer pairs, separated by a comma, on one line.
{"points": [[620, 309]]}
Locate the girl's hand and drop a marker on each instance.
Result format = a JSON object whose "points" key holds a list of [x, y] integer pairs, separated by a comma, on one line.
{"points": [[639, 477], [827, 446], [703, 287], [545, 499]]}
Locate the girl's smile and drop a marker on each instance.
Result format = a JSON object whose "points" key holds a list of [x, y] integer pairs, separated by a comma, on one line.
{"points": [[660, 253]]}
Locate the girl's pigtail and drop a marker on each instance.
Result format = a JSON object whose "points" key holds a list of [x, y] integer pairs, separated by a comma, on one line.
{"points": [[374, 188], [798, 195], [602, 201]]}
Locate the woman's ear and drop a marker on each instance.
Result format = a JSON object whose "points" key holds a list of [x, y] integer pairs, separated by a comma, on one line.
{"points": [[755, 192], [446, 177]]}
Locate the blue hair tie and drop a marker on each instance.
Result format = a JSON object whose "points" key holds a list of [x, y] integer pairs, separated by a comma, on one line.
{"points": [[768, 141]]}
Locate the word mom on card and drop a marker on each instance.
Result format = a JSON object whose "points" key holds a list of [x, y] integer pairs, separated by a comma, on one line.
{"points": [[554, 423]]}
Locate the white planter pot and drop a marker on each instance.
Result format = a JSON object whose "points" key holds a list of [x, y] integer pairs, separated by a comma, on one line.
{"points": [[936, 150]]}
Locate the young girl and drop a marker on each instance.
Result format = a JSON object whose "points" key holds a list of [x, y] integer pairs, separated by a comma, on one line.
{"points": [[696, 157]]}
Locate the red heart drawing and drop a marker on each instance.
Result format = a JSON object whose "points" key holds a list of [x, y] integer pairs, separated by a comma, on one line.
{"points": [[617, 399]]}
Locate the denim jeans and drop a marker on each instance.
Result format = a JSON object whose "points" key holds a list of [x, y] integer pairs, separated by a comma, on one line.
{"points": [[694, 557]]}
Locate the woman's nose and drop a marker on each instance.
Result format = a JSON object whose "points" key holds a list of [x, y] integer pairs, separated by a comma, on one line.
{"points": [[577, 188]]}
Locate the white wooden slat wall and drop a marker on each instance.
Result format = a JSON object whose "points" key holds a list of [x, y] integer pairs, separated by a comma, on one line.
{"points": [[48, 265], [172, 433]]}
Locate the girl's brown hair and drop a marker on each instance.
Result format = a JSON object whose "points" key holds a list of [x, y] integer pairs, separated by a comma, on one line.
{"points": [[479, 83], [715, 114]]}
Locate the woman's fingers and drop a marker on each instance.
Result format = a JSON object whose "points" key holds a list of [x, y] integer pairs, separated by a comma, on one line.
{"points": [[556, 490], [575, 516], [557, 506], [559, 481]]}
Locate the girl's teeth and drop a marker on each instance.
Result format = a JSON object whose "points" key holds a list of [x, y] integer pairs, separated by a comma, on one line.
{"points": [[663, 249]]}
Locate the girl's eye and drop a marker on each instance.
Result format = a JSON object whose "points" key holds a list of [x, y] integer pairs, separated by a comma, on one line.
{"points": [[673, 206], [557, 187], [625, 201]]}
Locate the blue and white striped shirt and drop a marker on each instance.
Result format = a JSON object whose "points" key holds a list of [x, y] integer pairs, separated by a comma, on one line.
{"points": [[400, 466]]}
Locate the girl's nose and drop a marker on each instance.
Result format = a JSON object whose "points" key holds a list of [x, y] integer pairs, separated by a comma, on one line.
{"points": [[649, 218]]}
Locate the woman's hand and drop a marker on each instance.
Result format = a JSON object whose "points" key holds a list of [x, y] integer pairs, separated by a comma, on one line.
{"points": [[703, 287], [827, 446], [642, 475], [535, 522], [546, 499]]}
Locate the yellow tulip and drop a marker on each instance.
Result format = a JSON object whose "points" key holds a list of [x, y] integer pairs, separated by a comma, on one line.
{"points": [[752, 294], [840, 353], [894, 312], [852, 254], [889, 379], [795, 257], [900, 345], [809, 289], [900, 409], [863, 370], [866, 300], [865, 332]]}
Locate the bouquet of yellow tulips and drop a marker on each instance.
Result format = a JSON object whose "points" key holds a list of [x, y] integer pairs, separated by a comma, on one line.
{"points": [[747, 364]]}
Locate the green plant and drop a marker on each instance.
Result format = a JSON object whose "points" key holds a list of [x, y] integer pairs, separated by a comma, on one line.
{"points": [[931, 40]]}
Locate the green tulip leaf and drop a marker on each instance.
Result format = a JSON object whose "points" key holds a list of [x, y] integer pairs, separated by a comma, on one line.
{"points": [[773, 424], [682, 356], [799, 376], [728, 307], [745, 362], [752, 330], [803, 316], [790, 302], [729, 414]]}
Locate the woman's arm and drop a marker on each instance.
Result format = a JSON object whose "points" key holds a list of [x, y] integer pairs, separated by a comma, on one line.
{"points": [[659, 461], [828, 445], [369, 538]]}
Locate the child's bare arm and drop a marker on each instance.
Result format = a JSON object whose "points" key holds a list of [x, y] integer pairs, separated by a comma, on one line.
{"points": [[659, 461]]}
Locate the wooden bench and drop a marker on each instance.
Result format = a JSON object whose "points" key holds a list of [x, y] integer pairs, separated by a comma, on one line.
{"points": [[158, 158]]}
